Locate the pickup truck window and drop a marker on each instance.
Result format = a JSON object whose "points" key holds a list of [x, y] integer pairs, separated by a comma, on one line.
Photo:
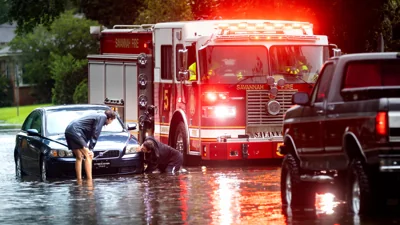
{"points": [[321, 90], [372, 73]]}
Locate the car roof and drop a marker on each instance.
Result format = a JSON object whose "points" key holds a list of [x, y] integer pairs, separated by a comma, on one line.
{"points": [[75, 107]]}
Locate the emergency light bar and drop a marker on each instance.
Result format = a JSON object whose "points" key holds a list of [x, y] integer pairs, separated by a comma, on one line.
{"points": [[272, 27], [265, 37]]}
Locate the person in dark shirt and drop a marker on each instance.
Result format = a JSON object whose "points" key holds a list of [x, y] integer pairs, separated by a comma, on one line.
{"points": [[81, 131], [160, 156]]}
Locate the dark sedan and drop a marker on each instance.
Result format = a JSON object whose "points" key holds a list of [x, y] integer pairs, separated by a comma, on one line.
{"points": [[40, 146]]}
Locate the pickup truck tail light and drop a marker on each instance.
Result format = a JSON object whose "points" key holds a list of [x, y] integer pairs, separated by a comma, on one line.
{"points": [[381, 123]]}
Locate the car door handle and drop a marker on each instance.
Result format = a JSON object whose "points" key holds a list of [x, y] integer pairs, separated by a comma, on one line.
{"points": [[320, 111]]}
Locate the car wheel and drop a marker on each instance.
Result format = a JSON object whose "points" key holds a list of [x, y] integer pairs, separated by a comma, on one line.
{"points": [[294, 192], [18, 167], [180, 141], [43, 170], [359, 197]]}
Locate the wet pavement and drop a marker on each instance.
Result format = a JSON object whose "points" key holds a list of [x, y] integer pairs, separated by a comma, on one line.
{"points": [[204, 195]]}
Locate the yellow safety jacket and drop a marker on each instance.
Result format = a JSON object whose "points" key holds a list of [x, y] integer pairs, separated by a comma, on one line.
{"points": [[192, 71], [296, 70]]}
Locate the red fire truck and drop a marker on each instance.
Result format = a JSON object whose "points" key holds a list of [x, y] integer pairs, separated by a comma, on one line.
{"points": [[215, 90]]}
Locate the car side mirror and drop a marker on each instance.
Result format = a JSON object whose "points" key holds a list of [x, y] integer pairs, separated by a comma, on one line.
{"points": [[33, 132], [131, 126], [300, 98]]}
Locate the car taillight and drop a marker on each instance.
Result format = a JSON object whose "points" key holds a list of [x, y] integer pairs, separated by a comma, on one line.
{"points": [[381, 123]]}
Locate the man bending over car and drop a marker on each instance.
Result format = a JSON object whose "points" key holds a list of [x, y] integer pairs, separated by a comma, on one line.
{"points": [[81, 131]]}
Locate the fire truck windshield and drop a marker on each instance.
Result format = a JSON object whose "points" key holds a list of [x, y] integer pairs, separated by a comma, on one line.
{"points": [[297, 63], [230, 64]]}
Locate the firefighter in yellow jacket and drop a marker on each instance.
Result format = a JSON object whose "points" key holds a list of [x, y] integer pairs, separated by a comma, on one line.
{"points": [[300, 67], [192, 71]]}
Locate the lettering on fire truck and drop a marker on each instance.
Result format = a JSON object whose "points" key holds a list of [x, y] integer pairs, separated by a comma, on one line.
{"points": [[166, 99], [126, 43]]}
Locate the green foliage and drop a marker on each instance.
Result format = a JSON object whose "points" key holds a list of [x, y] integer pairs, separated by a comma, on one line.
{"points": [[36, 48], [67, 72], [3, 11], [30, 13], [67, 41], [156, 11], [81, 92], [6, 91], [70, 35], [111, 12]]}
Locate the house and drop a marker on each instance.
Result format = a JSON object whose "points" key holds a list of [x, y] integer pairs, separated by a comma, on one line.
{"points": [[10, 68]]}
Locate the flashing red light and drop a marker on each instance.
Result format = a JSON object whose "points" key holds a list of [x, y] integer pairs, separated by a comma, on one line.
{"points": [[215, 96], [381, 123], [212, 96]]}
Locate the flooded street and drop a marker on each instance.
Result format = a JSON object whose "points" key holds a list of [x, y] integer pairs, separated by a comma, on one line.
{"points": [[205, 195]]}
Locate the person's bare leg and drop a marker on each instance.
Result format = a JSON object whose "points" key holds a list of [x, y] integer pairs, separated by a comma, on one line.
{"points": [[88, 162], [78, 164]]}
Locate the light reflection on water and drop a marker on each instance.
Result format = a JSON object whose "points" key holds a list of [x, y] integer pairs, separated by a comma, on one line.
{"points": [[205, 195]]}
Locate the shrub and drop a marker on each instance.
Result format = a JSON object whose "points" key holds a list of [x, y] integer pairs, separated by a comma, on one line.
{"points": [[81, 92]]}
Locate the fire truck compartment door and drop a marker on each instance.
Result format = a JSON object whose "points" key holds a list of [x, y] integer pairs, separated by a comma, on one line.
{"points": [[96, 83], [114, 81]]}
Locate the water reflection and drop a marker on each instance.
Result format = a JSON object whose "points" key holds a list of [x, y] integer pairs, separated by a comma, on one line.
{"points": [[205, 195]]}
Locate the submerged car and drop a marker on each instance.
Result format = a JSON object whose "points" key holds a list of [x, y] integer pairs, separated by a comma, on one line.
{"points": [[41, 148]]}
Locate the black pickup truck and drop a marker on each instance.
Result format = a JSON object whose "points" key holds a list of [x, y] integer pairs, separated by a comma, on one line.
{"points": [[346, 133]]}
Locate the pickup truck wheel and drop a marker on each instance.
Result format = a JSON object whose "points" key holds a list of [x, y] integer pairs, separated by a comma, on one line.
{"points": [[294, 192], [359, 197]]}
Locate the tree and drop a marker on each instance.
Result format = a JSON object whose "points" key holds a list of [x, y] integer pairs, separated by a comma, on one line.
{"points": [[3, 11], [35, 50], [156, 11], [30, 13], [110, 12], [67, 72], [51, 57]]}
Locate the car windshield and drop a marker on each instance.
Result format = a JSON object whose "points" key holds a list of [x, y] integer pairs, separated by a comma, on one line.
{"points": [[230, 64], [57, 121], [297, 63]]}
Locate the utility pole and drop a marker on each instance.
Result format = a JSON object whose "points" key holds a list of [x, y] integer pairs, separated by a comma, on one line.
{"points": [[16, 75]]}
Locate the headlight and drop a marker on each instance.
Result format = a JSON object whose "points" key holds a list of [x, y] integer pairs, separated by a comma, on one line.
{"points": [[58, 153], [131, 148]]}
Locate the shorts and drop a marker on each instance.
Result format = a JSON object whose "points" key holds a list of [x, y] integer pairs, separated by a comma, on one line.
{"points": [[74, 141]]}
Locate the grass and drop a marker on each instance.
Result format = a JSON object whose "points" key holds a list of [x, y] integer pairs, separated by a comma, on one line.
{"points": [[10, 115]]}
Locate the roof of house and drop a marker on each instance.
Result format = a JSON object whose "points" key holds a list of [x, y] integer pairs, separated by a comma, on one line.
{"points": [[7, 32]]}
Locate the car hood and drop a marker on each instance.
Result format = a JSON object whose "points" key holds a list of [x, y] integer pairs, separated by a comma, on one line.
{"points": [[106, 141]]}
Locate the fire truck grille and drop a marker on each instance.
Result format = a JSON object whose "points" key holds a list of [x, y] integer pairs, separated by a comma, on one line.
{"points": [[256, 107]]}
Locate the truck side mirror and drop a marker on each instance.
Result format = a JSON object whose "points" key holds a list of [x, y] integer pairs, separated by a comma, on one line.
{"points": [[182, 65], [336, 51], [300, 98]]}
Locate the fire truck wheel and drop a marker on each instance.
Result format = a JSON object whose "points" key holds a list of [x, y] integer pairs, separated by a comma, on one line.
{"points": [[180, 141]]}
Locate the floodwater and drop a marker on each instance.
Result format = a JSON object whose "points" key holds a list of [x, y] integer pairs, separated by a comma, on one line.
{"points": [[204, 195]]}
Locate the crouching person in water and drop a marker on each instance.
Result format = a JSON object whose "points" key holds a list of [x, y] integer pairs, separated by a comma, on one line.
{"points": [[160, 156]]}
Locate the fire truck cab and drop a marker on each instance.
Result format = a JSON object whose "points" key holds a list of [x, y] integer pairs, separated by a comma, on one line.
{"points": [[215, 90]]}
